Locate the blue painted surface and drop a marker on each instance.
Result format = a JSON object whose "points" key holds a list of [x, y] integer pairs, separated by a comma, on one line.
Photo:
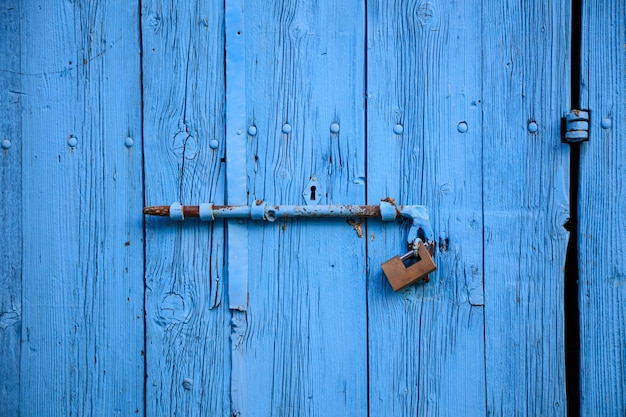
{"points": [[110, 106], [11, 93], [426, 342], [236, 143], [301, 346], [602, 212], [187, 316], [526, 77], [82, 336]]}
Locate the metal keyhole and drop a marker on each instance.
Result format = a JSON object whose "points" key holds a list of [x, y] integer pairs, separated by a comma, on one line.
{"points": [[313, 191]]}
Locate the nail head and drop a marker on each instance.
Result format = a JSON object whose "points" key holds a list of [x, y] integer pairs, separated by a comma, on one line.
{"points": [[462, 127], [72, 142], [606, 123], [129, 142], [213, 144], [533, 127], [334, 127], [6, 144], [286, 128], [252, 130], [398, 129]]}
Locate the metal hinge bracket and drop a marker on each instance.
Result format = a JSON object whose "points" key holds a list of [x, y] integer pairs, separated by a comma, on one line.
{"points": [[575, 126]]}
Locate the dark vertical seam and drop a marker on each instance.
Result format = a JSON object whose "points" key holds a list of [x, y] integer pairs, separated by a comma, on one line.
{"points": [[367, 266], [143, 182], [570, 288], [482, 198], [20, 159]]}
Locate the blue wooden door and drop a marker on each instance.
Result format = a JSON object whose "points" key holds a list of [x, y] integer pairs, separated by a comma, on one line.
{"points": [[111, 106]]}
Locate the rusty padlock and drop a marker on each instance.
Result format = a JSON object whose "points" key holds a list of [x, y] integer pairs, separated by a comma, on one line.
{"points": [[400, 275]]}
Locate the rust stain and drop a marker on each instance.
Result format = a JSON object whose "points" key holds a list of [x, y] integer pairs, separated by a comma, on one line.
{"points": [[372, 236], [358, 226], [127, 243], [157, 210], [370, 211], [392, 201], [191, 211]]}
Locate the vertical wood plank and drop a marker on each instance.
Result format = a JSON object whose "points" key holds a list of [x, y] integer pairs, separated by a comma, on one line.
{"points": [[602, 204], [186, 313], [303, 338], [526, 181], [426, 346], [82, 338], [10, 208]]}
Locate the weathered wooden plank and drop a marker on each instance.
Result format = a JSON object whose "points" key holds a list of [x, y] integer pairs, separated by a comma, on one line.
{"points": [[601, 207], [186, 315], [82, 339], [10, 208], [301, 345], [526, 80], [426, 342]]}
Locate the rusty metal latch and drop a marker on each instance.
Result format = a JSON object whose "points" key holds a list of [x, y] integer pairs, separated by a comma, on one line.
{"points": [[397, 273]]}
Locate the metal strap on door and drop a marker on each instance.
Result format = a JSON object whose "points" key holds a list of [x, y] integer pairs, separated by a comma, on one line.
{"points": [[400, 271]]}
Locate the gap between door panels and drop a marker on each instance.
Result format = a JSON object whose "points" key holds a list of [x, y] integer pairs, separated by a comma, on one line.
{"points": [[143, 181], [570, 305], [367, 233]]}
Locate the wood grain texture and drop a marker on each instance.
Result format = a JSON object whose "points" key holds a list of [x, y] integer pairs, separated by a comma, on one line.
{"points": [[10, 208], [301, 346], [186, 315], [426, 346], [526, 182], [82, 338], [602, 208]]}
